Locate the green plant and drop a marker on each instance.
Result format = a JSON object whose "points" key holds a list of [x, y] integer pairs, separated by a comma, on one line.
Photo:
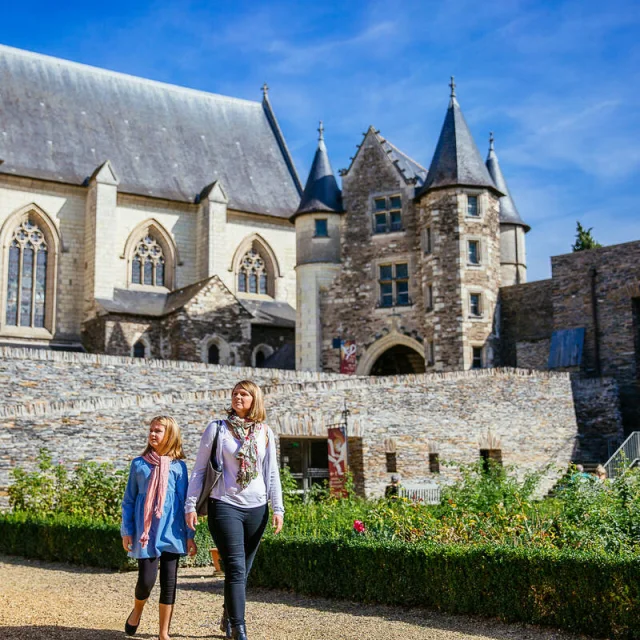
{"points": [[584, 239], [92, 490], [588, 592]]}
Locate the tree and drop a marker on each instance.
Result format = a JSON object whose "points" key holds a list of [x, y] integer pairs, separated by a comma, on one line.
{"points": [[584, 239]]}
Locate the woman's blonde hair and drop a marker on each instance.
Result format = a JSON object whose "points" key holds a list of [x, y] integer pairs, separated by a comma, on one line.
{"points": [[257, 411], [172, 443]]}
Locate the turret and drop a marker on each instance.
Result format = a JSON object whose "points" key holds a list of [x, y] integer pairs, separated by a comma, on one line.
{"points": [[460, 231], [317, 221], [513, 257]]}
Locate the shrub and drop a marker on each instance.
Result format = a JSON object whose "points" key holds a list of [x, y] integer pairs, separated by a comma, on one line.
{"points": [[589, 592], [93, 490], [64, 538]]}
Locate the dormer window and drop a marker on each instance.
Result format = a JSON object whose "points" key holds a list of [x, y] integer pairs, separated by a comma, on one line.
{"points": [[387, 214]]}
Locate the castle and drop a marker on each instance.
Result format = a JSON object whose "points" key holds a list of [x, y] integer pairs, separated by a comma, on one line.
{"points": [[406, 263], [143, 219]]}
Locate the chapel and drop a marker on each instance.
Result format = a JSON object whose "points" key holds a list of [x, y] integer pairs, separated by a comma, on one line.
{"points": [[144, 219]]}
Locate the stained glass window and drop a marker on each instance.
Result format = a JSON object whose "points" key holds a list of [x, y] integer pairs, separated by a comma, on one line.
{"points": [[27, 277], [148, 264], [252, 275]]}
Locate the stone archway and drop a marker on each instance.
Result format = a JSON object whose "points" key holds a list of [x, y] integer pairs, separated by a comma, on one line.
{"points": [[395, 354]]}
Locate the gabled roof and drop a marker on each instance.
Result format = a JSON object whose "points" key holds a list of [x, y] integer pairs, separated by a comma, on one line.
{"points": [[408, 167], [321, 193], [508, 212], [410, 170], [149, 303], [457, 160], [60, 120]]}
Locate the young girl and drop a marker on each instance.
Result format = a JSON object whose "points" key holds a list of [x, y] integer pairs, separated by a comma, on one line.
{"points": [[153, 524]]}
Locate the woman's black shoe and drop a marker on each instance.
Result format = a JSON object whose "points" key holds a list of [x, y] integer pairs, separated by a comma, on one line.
{"points": [[129, 629], [239, 632], [225, 624]]}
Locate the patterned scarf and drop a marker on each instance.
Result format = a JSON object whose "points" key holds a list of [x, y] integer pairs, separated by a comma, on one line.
{"points": [[156, 492], [247, 432]]}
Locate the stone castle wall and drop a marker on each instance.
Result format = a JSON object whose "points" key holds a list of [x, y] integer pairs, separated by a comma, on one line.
{"points": [[68, 402], [350, 307]]}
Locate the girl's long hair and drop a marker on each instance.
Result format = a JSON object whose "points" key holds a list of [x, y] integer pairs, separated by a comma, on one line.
{"points": [[257, 412], [172, 444]]}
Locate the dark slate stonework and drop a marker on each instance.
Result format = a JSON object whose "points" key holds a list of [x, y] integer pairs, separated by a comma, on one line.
{"points": [[53, 399], [350, 307], [526, 315], [597, 403], [180, 335]]}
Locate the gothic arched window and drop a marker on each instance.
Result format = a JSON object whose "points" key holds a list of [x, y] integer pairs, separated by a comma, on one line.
{"points": [[252, 274], [148, 263], [27, 276]]}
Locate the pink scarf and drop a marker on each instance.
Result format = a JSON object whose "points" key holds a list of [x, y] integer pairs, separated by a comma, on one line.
{"points": [[156, 491]]}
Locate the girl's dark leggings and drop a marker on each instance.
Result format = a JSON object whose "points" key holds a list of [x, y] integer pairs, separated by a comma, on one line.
{"points": [[148, 571], [236, 533]]}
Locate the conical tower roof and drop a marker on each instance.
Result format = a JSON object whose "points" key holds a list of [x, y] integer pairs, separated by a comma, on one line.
{"points": [[508, 212], [321, 193], [457, 160]]}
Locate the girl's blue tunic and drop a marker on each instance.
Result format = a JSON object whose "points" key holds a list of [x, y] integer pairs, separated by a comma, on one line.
{"points": [[170, 532]]}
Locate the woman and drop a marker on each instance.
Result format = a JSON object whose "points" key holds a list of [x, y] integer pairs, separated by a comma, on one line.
{"points": [[238, 512], [153, 524]]}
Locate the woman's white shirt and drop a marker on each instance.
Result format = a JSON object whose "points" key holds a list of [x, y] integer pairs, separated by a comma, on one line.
{"points": [[255, 493]]}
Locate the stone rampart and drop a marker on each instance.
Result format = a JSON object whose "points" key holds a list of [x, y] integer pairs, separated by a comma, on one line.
{"points": [[98, 407]]}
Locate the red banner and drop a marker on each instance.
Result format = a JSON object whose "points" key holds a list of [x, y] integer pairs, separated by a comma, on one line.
{"points": [[348, 361], [338, 462]]}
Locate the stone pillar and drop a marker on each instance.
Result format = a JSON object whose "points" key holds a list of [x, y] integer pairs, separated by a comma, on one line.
{"points": [[212, 219], [101, 252]]}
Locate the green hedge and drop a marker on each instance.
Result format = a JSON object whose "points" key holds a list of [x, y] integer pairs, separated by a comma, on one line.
{"points": [[592, 593], [77, 541]]}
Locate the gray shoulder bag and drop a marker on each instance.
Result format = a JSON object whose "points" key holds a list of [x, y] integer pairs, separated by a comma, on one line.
{"points": [[211, 478]]}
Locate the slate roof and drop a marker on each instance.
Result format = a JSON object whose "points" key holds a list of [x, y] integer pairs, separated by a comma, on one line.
{"points": [[457, 160], [271, 312], [508, 211], [60, 120], [155, 304], [408, 167], [321, 193], [283, 358]]}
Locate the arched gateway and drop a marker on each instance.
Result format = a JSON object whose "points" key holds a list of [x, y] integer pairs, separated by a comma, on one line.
{"points": [[395, 354]]}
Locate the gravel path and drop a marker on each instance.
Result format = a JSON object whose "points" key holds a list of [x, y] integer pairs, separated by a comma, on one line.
{"points": [[59, 602]]}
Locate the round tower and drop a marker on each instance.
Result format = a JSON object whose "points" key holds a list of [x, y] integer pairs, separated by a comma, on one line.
{"points": [[317, 222], [460, 230], [513, 255]]}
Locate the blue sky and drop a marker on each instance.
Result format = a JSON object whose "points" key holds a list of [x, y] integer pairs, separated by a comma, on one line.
{"points": [[556, 81]]}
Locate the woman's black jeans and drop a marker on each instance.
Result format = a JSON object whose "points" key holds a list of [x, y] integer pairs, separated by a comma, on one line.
{"points": [[236, 533]]}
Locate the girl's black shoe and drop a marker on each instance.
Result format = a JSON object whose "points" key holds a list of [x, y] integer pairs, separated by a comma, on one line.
{"points": [[239, 632], [129, 629]]}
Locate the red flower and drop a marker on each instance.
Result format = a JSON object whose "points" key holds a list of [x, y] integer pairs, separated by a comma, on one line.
{"points": [[358, 526]]}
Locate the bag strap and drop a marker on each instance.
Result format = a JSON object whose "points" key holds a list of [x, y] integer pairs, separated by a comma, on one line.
{"points": [[214, 446]]}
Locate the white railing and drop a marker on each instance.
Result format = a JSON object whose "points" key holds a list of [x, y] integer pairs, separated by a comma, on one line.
{"points": [[427, 493], [627, 455]]}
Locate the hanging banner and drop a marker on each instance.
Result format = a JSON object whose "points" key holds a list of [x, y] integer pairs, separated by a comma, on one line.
{"points": [[338, 464], [348, 362]]}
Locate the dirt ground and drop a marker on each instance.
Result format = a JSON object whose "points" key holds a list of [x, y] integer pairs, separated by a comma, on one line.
{"points": [[41, 601]]}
